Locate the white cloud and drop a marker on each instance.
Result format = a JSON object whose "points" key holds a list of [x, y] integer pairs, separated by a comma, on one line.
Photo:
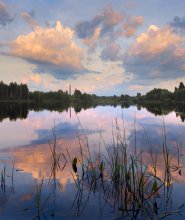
{"points": [[52, 45], [156, 54], [111, 76], [51, 49], [155, 41]]}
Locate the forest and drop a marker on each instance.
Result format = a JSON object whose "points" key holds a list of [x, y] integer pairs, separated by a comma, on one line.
{"points": [[20, 93], [164, 95]]}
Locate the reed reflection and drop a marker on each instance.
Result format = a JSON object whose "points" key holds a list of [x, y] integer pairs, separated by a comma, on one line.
{"points": [[127, 165]]}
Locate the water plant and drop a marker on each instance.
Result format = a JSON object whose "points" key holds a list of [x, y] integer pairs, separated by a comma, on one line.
{"points": [[55, 156], [129, 184], [125, 181], [3, 179]]}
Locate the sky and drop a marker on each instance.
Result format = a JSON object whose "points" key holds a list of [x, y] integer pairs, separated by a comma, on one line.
{"points": [[103, 47]]}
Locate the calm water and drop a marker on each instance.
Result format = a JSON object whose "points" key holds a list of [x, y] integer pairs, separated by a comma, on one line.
{"points": [[24, 146]]}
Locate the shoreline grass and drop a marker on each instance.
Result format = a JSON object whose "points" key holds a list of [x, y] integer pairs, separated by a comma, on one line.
{"points": [[125, 180]]}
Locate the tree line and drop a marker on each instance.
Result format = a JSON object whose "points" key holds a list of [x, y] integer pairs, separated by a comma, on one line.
{"points": [[158, 101], [45, 97], [20, 92], [163, 95], [15, 91]]}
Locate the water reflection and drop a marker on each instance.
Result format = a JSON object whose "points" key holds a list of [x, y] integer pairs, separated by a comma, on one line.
{"points": [[15, 111], [165, 109], [93, 136], [36, 160]]}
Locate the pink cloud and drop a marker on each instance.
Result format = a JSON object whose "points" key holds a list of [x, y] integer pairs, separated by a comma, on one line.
{"points": [[136, 87]]}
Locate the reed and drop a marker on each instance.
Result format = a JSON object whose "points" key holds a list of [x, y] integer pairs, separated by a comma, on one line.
{"points": [[55, 156], [125, 180], [3, 179]]}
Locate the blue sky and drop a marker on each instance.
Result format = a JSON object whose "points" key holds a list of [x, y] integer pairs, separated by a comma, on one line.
{"points": [[104, 47]]}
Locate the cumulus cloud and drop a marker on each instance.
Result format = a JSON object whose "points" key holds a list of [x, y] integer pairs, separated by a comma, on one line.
{"points": [[51, 49], [156, 54], [5, 17], [106, 27]]}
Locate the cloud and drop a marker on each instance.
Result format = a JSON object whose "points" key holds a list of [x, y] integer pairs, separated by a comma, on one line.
{"points": [[111, 76], [101, 27], [127, 28], [63, 130], [87, 28], [29, 19], [5, 17], [108, 19], [61, 71], [178, 22], [52, 50], [92, 41], [136, 87], [156, 54], [111, 52], [105, 28], [131, 25], [34, 78]]}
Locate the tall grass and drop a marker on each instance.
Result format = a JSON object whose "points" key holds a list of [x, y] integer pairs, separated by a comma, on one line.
{"points": [[125, 180], [3, 179], [55, 156]]}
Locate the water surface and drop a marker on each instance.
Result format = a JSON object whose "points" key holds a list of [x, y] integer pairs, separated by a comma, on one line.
{"points": [[25, 152]]}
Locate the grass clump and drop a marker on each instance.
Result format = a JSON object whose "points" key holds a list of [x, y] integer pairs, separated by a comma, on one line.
{"points": [[126, 182]]}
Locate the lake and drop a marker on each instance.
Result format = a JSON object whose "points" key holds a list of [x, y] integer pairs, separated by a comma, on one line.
{"points": [[100, 163]]}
